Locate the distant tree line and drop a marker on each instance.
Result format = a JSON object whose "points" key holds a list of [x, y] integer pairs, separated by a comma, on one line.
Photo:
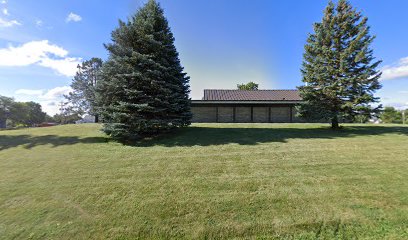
{"points": [[30, 114], [392, 115], [14, 114]]}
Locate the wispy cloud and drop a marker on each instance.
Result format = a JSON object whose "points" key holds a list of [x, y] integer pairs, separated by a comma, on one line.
{"points": [[40, 53], [39, 23], [51, 94], [395, 71], [56, 93], [8, 23], [4, 22], [72, 17], [66, 66]]}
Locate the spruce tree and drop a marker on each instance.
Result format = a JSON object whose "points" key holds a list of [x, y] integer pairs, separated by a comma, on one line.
{"points": [[339, 69], [143, 89]]}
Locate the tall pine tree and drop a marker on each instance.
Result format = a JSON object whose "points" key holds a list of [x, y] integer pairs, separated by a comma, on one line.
{"points": [[82, 97], [143, 89], [339, 69]]}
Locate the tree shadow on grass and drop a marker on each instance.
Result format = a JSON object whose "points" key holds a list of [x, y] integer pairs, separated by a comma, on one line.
{"points": [[207, 136], [29, 142]]}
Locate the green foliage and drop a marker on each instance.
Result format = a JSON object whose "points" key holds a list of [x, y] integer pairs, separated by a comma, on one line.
{"points": [[49, 119], [339, 70], [19, 113], [248, 86], [27, 113], [361, 119], [82, 98], [66, 118], [5, 107], [67, 114], [143, 89], [391, 115]]}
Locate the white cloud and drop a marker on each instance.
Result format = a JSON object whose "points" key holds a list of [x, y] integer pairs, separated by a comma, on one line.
{"points": [[72, 17], [66, 66], [51, 94], [56, 93], [49, 99], [9, 23], [40, 53], [5, 23], [3, 2], [395, 71], [50, 107]]}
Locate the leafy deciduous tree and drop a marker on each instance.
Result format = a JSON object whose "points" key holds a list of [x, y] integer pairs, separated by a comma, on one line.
{"points": [[248, 86], [20, 113], [392, 115]]}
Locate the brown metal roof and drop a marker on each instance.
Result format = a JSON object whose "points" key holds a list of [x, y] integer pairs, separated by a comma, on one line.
{"points": [[255, 95]]}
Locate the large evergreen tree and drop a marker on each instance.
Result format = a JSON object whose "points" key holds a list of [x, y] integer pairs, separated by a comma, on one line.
{"points": [[143, 89], [82, 97], [339, 69]]}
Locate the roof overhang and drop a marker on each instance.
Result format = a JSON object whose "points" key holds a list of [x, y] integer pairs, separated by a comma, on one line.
{"points": [[204, 102]]}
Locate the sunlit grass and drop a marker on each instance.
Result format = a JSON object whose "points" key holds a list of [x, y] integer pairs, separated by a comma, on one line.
{"points": [[207, 181]]}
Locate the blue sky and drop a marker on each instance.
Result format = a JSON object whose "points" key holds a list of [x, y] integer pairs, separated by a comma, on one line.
{"points": [[221, 42]]}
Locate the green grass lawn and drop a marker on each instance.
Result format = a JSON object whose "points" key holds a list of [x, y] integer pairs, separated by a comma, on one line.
{"points": [[294, 181]]}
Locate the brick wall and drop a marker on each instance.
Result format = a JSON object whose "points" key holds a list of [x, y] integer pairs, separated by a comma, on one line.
{"points": [[242, 114], [261, 114], [280, 114], [204, 114], [274, 114], [225, 114]]}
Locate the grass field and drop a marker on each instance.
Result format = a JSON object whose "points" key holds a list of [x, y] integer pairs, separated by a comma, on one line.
{"points": [[237, 181]]}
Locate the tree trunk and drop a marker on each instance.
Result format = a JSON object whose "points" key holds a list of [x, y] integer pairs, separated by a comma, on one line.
{"points": [[96, 118], [335, 123], [3, 123]]}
